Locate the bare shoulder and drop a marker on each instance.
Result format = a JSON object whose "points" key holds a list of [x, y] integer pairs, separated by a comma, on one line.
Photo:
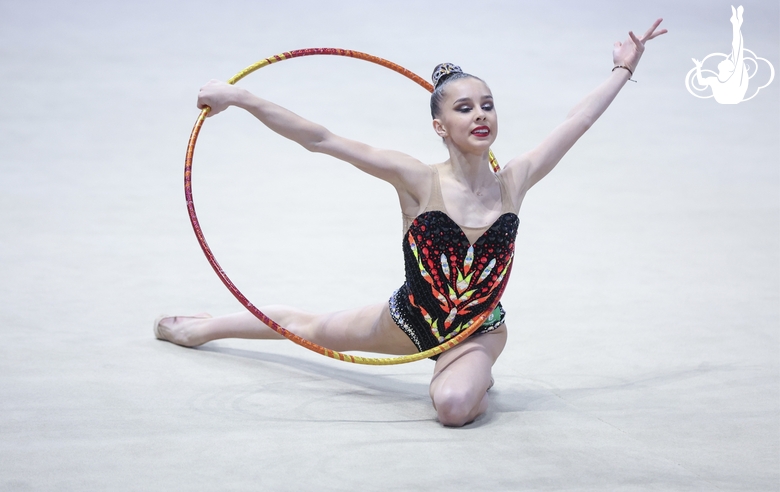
{"points": [[516, 174], [410, 177], [414, 187]]}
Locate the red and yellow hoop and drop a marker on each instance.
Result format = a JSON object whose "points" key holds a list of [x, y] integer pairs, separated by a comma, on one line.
{"points": [[474, 324]]}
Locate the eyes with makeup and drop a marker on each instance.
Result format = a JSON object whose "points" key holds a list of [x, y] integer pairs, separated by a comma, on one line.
{"points": [[466, 108]]}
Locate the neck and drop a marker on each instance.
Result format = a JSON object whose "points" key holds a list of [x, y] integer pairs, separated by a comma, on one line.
{"points": [[471, 170]]}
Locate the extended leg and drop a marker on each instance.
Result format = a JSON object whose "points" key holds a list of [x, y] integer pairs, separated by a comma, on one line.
{"points": [[462, 377], [369, 328]]}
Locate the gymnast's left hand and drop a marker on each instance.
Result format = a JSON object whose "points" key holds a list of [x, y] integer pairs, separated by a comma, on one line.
{"points": [[217, 95], [630, 51]]}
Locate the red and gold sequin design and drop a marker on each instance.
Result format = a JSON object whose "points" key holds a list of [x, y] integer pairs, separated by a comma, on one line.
{"points": [[448, 280]]}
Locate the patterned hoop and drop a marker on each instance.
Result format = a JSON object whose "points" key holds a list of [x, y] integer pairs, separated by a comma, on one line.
{"points": [[475, 323]]}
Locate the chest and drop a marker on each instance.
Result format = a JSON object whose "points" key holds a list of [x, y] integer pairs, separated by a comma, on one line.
{"points": [[439, 246]]}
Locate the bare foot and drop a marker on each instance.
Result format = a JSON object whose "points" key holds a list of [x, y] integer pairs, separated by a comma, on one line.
{"points": [[180, 330]]}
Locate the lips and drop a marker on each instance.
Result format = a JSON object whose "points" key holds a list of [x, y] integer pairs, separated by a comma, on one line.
{"points": [[481, 131]]}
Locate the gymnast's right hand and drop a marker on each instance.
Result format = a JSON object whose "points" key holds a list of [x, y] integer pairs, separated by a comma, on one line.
{"points": [[217, 95]]}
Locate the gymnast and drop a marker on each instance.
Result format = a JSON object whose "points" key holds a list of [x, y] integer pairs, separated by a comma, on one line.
{"points": [[731, 84], [460, 221]]}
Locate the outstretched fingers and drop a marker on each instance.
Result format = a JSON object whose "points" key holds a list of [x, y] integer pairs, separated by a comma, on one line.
{"points": [[637, 42], [650, 33], [629, 52]]}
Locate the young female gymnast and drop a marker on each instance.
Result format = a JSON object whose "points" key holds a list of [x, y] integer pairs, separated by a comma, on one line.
{"points": [[460, 220]]}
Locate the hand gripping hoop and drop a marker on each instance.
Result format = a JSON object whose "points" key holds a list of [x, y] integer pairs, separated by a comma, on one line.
{"points": [[475, 323]]}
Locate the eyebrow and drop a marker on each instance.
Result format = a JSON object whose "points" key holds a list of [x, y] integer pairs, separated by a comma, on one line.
{"points": [[464, 99]]}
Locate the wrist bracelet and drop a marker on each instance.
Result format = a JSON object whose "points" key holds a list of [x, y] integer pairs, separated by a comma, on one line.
{"points": [[631, 74]]}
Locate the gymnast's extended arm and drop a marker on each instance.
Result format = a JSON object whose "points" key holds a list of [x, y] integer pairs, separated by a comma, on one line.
{"points": [[397, 168], [529, 168]]}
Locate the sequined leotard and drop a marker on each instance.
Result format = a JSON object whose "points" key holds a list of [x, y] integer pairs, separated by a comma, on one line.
{"points": [[449, 280]]}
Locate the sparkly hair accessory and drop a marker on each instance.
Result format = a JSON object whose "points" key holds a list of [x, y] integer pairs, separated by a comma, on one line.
{"points": [[443, 70]]}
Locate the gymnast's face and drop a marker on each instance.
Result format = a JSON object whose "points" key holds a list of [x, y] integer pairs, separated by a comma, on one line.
{"points": [[467, 117]]}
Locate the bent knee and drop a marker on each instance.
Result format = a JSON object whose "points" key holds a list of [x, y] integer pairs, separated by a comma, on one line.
{"points": [[456, 407]]}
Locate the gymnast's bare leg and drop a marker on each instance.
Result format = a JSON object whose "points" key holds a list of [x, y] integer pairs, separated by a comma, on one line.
{"points": [[461, 378], [369, 328]]}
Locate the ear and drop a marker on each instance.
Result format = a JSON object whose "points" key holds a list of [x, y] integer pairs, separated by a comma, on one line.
{"points": [[438, 127]]}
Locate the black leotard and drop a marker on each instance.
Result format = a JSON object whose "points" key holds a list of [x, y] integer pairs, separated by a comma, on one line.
{"points": [[449, 280]]}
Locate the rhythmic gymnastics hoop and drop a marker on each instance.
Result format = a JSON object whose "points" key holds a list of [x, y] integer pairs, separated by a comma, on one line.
{"points": [[376, 361]]}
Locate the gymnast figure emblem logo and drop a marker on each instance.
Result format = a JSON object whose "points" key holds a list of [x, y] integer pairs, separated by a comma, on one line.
{"points": [[729, 84]]}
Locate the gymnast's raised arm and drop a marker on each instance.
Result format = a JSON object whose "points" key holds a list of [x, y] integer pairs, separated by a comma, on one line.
{"points": [[529, 168], [398, 169]]}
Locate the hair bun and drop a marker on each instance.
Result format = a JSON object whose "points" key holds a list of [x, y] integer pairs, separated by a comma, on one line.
{"points": [[443, 71]]}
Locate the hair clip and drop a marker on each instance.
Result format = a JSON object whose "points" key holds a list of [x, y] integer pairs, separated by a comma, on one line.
{"points": [[443, 70]]}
